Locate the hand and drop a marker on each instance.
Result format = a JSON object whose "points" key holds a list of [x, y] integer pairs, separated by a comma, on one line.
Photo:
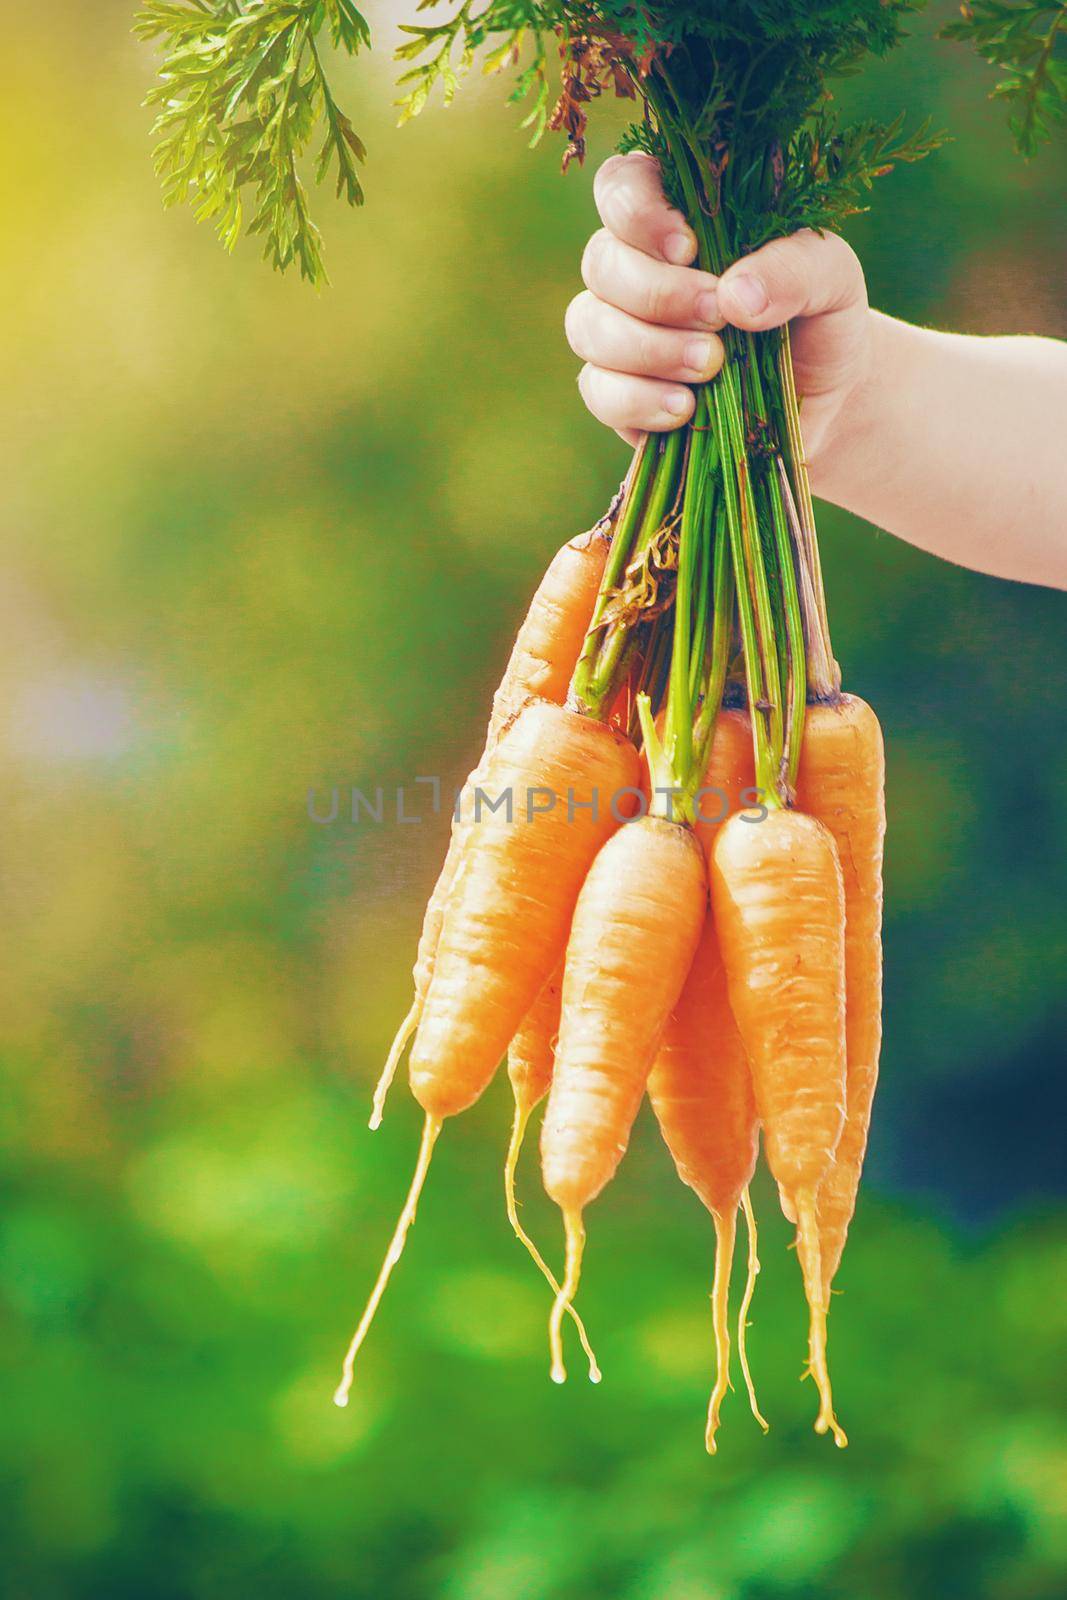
{"points": [[647, 323]]}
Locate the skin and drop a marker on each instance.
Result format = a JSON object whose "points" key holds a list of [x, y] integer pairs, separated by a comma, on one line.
{"points": [[952, 443]]}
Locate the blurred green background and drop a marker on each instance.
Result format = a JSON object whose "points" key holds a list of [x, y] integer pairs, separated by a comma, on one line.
{"points": [[257, 540]]}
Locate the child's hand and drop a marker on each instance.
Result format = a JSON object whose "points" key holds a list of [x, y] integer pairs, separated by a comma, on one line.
{"points": [[646, 323]]}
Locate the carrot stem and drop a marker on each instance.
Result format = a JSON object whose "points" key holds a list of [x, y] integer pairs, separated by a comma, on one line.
{"points": [[618, 640], [719, 653], [793, 648], [430, 1130], [825, 676], [634, 494], [759, 632], [647, 497]]}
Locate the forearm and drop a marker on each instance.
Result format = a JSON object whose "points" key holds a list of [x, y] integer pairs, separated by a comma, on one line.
{"points": [[959, 446]]}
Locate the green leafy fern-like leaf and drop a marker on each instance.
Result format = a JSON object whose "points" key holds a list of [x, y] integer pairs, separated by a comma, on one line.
{"points": [[1026, 40], [241, 95]]}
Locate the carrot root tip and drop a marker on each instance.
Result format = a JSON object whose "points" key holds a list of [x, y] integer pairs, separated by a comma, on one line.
{"points": [[430, 1130], [725, 1233], [575, 1233], [811, 1266], [746, 1302], [392, 1061], [518, 1133]]}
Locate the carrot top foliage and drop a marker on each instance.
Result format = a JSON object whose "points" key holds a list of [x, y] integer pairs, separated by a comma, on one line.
{"points": [[244, 93]]}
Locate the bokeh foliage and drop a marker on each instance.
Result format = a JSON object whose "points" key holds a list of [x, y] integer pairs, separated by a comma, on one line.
{"points": [[257, 540]]}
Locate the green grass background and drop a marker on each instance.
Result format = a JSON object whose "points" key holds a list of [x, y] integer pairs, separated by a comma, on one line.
{"points": [[255, 540]]}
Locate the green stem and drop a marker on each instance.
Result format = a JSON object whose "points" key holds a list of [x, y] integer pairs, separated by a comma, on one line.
{"points": [[617, 642], [756, 664], [704, 594], [758, 630], [824, 676], [679, 726], [767, 711], [722, 612], [795, 652], [756, 529], [642, 468]]}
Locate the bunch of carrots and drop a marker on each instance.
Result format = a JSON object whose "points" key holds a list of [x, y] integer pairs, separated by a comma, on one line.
{"points": [[665, 871], [681, 896]]}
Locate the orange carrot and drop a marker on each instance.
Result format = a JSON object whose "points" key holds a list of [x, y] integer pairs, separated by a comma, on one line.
{"points": [[530, 1058], [553, 781], [532, 1051], [779, 907], [701, 1086], [636, 927], [505, 925], [701, 1092], [549, 642], [842, 783], [542, 660]]}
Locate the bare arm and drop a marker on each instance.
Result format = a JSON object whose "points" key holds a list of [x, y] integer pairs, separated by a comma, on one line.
{"points": [[959, 445], [956, 444]]}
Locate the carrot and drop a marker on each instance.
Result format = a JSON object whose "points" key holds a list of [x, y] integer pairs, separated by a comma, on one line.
{"points": [[636, 928], [842, 783], [701, 1092], [701, 1086], [555, 778], [530, 1058], [506, 922], [542, 660], [778, 901], [532, 1051], [549, 642]]}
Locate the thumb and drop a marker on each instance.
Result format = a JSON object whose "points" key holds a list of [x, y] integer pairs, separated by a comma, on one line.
{"points": [[806, 275]]}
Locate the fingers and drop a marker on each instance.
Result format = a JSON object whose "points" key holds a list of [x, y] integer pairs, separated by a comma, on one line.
{"points": [[633, 405], [646, 325], [806, 275], [676, 297], [607, 337], [629, 197]]}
